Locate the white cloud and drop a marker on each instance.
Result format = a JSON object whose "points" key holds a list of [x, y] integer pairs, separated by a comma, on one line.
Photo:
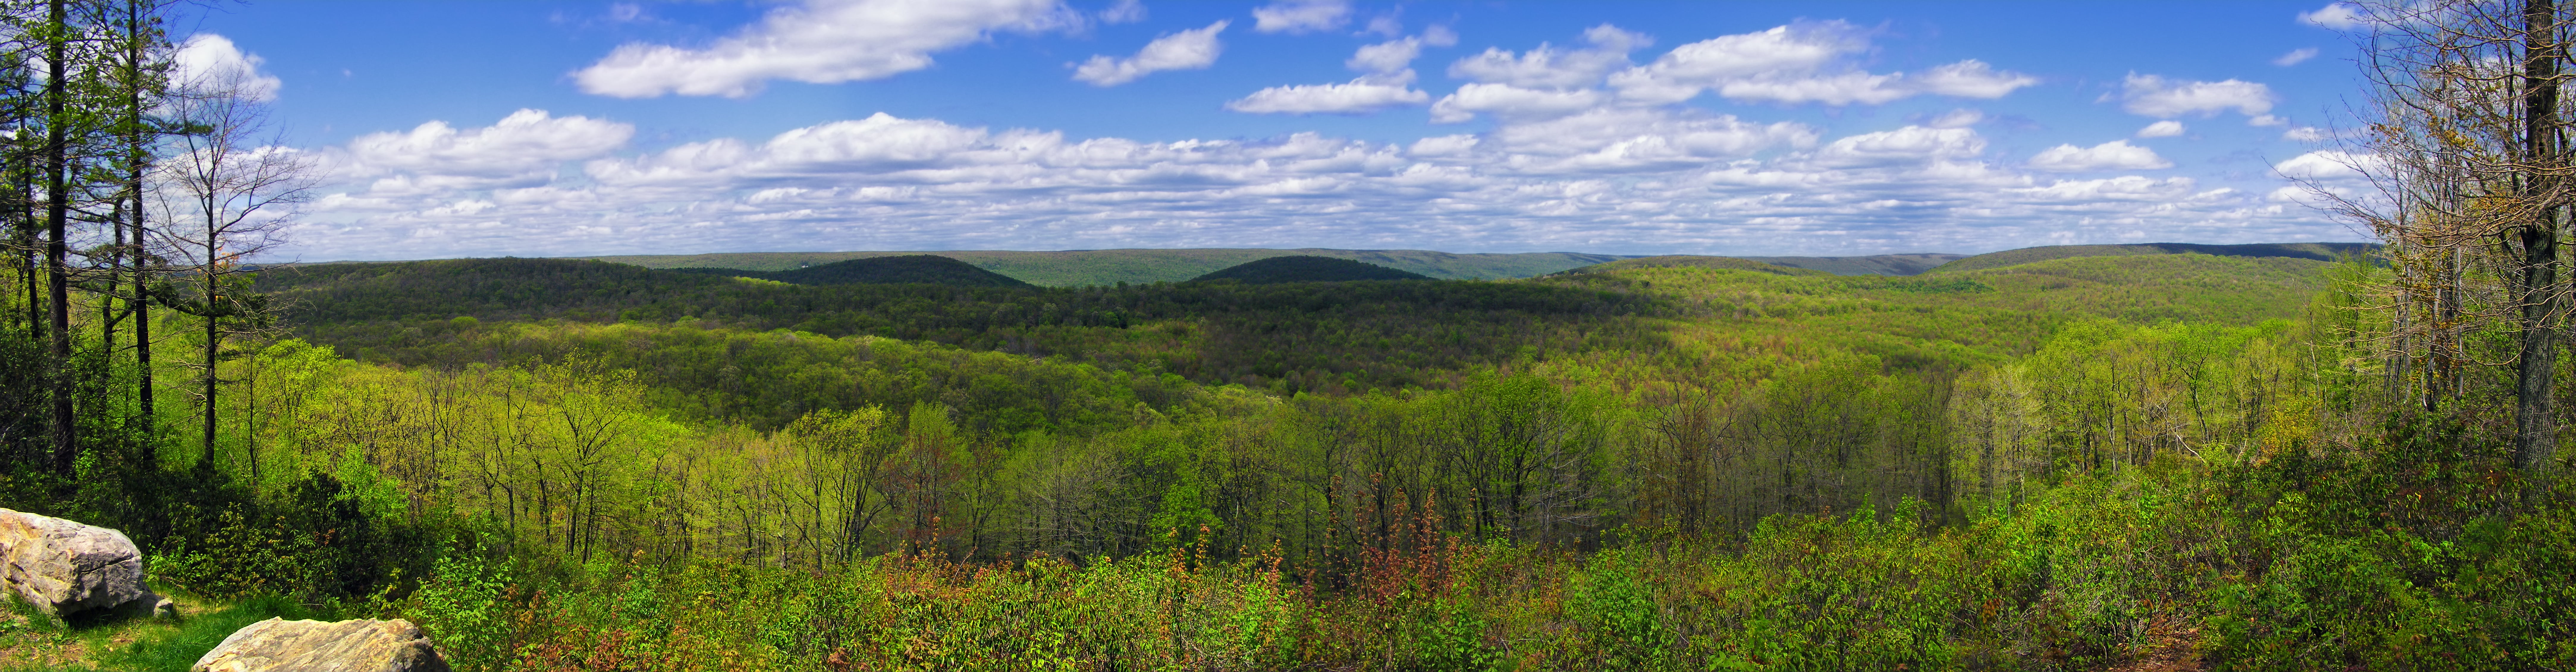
{"points": [[2266, 120], [1443, 145], [2113, 155], [2335, 16], [1907, 145], [210, 61], [1511, 102], [2305, 134], [1388, 56], [1301, 16], [2328, 165], [527, 146], [1971, 79], [1354, 97], [2162, 129], [1185, 50], [2295, 57], [817, 41], [1126, 11], [2154, 96], [1387, 84], [1800, 63], [1547, 67]]}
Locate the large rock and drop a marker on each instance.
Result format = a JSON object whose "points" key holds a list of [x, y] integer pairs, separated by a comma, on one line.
{"points": [[66, 568], [280, 645]]}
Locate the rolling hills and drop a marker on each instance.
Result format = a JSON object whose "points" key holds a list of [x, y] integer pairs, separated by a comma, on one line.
{"points": [[1696, 261], [910, 268], [2311, 251], [1879, 264], [1077, 268], [1276, 270]]}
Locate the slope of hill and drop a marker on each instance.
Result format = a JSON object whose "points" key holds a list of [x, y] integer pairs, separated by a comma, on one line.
{"points": [[911, 268], [1879, 264], [1276, 270], [1074, 268], [1695, 261], [2311, 251]]}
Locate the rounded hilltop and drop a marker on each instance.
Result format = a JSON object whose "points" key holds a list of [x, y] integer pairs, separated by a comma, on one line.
{"points": [[1301, 268]]}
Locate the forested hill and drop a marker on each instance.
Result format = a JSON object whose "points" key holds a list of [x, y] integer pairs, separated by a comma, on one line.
{"points": [[2312, 251], [1695, 261], [1877, 264], [907, 269], [1312, 337], [1277, 270], [1076, 268]]}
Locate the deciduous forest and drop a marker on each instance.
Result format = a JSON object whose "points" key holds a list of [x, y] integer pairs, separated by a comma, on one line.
{"points": [[2078, 462]]}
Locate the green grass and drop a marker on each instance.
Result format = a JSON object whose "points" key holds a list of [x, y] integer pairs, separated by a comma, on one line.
{"points": [[1074, 268], [138, 645]]}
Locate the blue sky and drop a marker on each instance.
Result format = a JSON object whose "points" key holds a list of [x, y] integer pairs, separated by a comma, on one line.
{"points": [[443, 129]]}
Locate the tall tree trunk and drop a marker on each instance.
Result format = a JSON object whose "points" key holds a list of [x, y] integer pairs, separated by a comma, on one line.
{"points": [[57, 208], [2535, 439], [136, 154]]}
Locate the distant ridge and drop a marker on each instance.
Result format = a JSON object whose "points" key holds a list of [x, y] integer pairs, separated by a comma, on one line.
{"points": [[2312, 251], [911, 268], [1879, 264], [1276, 270], [1697, 261], [1070, 268]]}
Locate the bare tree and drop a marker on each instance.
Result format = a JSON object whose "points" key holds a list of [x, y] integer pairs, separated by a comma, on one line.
{"points": [[226, 194], [2466, 146]]}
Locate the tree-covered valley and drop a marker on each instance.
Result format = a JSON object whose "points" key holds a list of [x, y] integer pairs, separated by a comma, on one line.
{"points": [[2077, 463], [2154, 456]]}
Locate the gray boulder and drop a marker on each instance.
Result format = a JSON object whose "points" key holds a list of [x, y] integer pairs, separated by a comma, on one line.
{"points": [[66, 568], [280, 645]]}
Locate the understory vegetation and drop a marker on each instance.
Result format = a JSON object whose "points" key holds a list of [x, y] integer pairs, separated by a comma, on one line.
{"points": [[2072, 464]]}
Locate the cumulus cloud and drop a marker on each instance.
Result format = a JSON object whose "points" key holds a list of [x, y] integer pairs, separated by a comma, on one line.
{"points": [[817, 41], [2162, 129], [1356, 96], [526, 147], [1387, 84], [1800, 63], [1186, 50], [1971, 79], [208, 61], [1548, 67], [2155, 96], [2328, 165], [1301, 16], [2305, 134], [1511, 102], [1907, 145], [2295, 57], [1612, 178], [2113, 155], [2335, 16]]}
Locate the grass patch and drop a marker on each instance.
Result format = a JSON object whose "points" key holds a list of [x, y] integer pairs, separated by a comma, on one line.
{"points": [[142, 645]]}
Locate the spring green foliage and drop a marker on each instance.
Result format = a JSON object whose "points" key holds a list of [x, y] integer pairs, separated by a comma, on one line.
{"points": [[905, 269], [2310, 251], [1877, 264], [1276, 270], [1692, 261], [2071, 464], [1082, 268]]}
